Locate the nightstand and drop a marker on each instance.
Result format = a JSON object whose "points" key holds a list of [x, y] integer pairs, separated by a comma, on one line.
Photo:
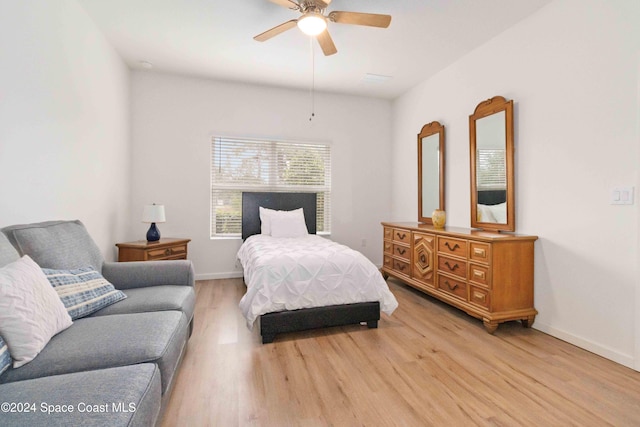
{"points": [[163, 249]]}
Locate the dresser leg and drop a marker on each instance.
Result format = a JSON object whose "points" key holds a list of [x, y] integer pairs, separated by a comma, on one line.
{"points": [[528, 322], [490, 326]]}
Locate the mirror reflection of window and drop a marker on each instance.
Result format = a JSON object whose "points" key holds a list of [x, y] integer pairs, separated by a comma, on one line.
{"points": [[492, 169], [430, 174]]}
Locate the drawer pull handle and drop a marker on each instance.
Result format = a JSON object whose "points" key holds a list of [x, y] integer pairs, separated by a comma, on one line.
{"points": [[400, 267], [452, 288], [451, 248], [480, 297], [450, 267], [480, 252], [167, 252], [479, 274], [401, 251], [401, 237], [423, 259]]}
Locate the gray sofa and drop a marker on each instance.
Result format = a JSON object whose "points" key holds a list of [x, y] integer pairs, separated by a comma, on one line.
{"points": [[114, 367]]}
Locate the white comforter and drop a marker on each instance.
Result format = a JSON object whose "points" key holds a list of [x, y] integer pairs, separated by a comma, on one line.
{"points": [[302, 272]]}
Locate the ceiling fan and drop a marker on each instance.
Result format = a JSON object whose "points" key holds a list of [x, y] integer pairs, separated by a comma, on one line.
{"points": [[313, 22]]}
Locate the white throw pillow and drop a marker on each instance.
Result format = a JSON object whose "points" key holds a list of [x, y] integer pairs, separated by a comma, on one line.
{"points": [[288, 224], [30, 310]]}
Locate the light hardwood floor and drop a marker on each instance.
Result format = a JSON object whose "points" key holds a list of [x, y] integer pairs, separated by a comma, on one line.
{"points": [[427, 364]]}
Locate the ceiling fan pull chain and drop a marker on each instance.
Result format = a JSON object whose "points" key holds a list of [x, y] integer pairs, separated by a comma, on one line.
{"points": [[313, 80]]}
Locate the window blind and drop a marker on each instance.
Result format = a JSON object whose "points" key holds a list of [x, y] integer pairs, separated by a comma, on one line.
{"points": [[491, 169], [242, 164]]}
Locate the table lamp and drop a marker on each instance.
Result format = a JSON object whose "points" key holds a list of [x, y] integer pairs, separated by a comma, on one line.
{"points": [[153, 213]]}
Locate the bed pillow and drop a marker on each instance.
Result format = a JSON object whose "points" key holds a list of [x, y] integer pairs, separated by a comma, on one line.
{"points": [[5, 357], [485, 214], [83, 290], [499, 212], [267, 216], [265, 220], [288, 224], [30, 310]]}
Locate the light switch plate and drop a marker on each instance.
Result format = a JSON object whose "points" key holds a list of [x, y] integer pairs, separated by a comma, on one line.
{"points": [[622, 196]]}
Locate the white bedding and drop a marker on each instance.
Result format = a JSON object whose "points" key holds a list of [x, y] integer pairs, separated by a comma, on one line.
{"points": [[303, 272]]}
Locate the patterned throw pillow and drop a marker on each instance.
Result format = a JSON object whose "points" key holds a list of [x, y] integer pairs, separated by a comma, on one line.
{"points": [[5, 357], [83, 290]]}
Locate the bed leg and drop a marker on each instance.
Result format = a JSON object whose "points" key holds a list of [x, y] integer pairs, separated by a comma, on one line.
{"points": [[267, 338], [372, 324]]}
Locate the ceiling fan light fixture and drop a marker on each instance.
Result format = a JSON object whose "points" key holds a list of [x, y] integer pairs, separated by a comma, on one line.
{"points": [[312, 23]]}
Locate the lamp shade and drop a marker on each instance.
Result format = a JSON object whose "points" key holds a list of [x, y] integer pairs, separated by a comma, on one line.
{"points": [[153, 213], [312, 23]]}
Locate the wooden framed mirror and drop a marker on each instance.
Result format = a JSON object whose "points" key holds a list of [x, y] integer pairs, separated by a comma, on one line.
{"points": [[430, 171], [491, 152]]}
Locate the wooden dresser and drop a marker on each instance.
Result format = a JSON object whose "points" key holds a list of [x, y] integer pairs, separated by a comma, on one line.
{"points": [[489, 275], [163, 249]]}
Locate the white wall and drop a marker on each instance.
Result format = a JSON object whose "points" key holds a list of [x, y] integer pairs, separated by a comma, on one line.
{"points": [[572, 71], [64, 121], [174, 118]]}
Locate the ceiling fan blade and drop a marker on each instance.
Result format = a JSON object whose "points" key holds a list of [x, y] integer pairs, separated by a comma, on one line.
{"points": [[323, 3], [276, 30], [326, 43], [357, 18], [290, 4]]}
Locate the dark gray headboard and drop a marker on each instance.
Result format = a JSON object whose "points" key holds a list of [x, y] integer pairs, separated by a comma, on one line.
{"points": [[492, 197], [251, 203]]}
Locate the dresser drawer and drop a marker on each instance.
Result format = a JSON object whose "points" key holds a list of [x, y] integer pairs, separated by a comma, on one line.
{"points": [[479, 274], [479, 252], [452, 266], [166, 252], [388, 247], [401, 266], [402, 236], [402, 252], [479, 296], [453, 286], [450, 246]]}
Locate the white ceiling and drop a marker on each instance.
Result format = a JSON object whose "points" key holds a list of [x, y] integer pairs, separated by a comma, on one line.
{"points": [[214, 39]]}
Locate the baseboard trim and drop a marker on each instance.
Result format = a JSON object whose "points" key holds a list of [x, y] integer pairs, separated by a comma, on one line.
{"points": [[606, 352], [226, 275]]}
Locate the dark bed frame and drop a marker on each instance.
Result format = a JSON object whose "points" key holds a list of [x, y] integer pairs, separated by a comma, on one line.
{"points": [[306, 318]]}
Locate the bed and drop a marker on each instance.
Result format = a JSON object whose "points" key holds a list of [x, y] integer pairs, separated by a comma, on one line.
{"points": [[492, 206], [304, 282]]}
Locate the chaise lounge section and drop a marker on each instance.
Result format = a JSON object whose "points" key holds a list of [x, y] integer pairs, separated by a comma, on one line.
{"points": [[115, 366]]}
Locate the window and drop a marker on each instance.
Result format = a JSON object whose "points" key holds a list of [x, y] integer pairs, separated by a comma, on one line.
{"points": [[491, 169], [240, 164]]}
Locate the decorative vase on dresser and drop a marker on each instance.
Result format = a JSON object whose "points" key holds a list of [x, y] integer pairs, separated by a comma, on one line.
{"points": [[488, 275]]}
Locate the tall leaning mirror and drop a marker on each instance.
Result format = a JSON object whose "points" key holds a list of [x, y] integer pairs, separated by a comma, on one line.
{"points": [[491, 152], [430, 171]]}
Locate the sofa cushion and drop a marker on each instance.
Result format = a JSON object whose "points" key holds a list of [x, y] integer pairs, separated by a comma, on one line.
{"points": [[111, 341], [83, 290], [56, 244], [30, 310], [7, 252], [123, 396], [5, 357], [154, 298]]}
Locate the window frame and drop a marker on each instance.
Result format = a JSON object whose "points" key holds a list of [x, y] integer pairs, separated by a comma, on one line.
{"points": [[274, 182]]}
